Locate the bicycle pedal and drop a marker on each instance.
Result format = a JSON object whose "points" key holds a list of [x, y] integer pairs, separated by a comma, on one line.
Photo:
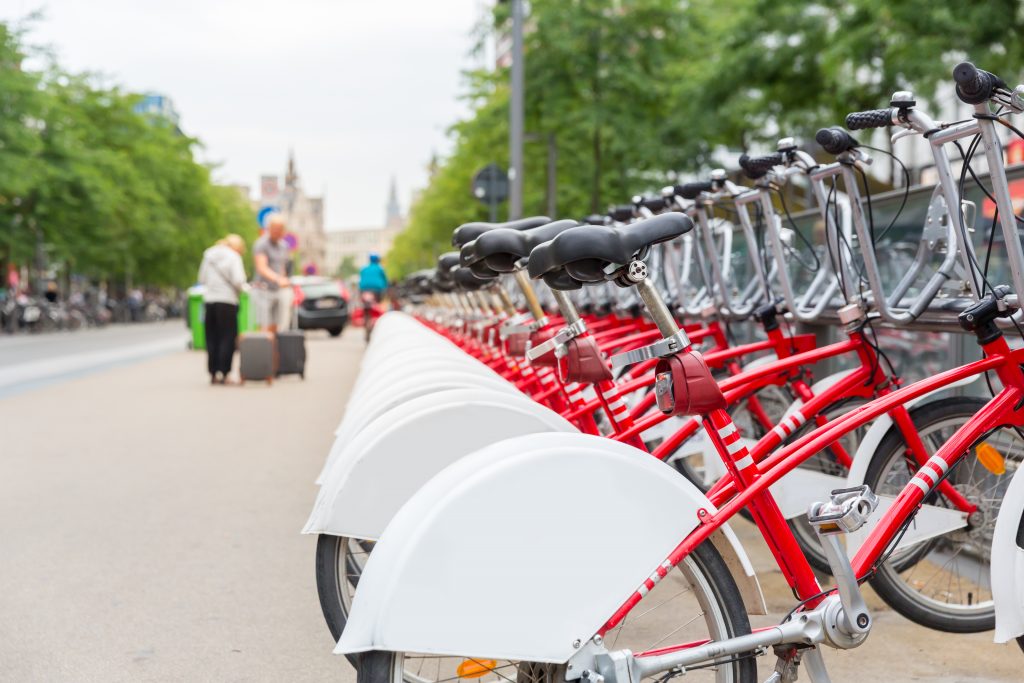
{"points": [[846, 511]]}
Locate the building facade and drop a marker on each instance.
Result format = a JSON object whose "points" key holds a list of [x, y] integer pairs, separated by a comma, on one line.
{"points": [[303, 215]]}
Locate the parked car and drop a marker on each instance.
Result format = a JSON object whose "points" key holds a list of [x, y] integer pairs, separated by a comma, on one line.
{"points": [[321, 304]]}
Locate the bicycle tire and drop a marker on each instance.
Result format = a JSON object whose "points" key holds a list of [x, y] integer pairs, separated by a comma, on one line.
{"points": [[330, 583], [887, 582]]}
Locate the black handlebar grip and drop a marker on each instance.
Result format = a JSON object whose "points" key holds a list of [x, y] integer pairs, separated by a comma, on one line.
{"points": [[973, 85], [654, 203], [621, 213], [693, 190], [756, 167], [596, 219], [876, 118], [835, 140]]}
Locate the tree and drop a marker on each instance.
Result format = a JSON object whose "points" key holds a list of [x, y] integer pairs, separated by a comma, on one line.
{"points": [[107, 191], [633, 89], [347, 268], [595, 76]]}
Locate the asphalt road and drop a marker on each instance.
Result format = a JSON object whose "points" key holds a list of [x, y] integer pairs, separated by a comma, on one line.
{"points": [[29, 361], [149, 526]]}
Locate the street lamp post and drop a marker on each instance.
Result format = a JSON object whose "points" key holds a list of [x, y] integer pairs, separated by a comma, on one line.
{"points": [[515, 203]]}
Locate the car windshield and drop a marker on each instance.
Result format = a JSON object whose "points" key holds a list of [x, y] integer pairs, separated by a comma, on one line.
{"points": [[320, 289]]}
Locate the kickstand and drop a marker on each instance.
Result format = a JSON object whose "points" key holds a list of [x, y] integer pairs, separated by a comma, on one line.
{"points": [[815, 665], [786, 668]]}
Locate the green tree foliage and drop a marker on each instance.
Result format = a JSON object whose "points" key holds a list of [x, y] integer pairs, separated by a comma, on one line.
{"points": [[108, 191], [633, 89], [347, 268]]}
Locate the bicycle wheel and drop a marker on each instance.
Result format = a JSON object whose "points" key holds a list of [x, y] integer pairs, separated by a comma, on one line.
{"points": [[339, 563], [697, 602], [943, 583]]}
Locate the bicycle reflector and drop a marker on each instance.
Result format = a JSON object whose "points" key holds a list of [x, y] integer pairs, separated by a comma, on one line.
{"points": [[990, 458], [476, 668], [663, 392]]}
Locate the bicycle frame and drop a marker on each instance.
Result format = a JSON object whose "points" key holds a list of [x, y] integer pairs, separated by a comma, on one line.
{"points": [[751, 480]]}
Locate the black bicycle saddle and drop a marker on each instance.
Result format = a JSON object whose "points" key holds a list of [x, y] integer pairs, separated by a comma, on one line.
{"points": [[561, 280], [447, 261], [466, 279], [470, 231], [586, 253], [500, 249]]}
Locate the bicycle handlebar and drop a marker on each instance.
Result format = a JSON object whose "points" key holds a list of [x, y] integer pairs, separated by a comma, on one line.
{"points": [[621, 213], [654, 203], [756, 167], [693, 190], [974, 85], [835, 140], [874, 118]]}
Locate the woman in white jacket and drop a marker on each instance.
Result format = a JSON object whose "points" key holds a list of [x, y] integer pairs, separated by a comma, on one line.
{"points": [[223, 277]]}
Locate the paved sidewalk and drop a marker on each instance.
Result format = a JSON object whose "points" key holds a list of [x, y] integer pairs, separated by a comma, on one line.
{"points": [[149, 524]]}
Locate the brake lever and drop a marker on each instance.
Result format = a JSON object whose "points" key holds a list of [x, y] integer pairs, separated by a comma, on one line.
{"points": [[1017, 99], [906, 132]]}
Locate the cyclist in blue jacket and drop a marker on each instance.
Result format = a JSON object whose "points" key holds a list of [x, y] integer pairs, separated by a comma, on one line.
{"points": [[373, 279]]}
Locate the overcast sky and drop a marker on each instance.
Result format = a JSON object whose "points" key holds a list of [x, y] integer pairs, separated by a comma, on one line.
{"points": [[360, 89]]}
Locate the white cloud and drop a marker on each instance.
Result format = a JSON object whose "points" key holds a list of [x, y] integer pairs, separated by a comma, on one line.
{"points": [[360, 89]]}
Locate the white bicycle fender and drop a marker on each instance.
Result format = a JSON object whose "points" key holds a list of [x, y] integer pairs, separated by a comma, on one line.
{"points": [[399, 451], [401, 392], [382, 376], [931, 520], [551, 531], [1008, 562], [384, 393]]}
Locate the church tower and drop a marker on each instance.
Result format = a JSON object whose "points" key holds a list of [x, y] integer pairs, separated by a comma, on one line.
{"points": [[291, 176], [394, 211]]}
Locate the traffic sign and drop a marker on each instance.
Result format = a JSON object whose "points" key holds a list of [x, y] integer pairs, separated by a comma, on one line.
{"points": [[490, 184], [263, 214]]}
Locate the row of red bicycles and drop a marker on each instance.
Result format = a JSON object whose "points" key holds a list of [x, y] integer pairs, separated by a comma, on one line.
{"points": [[540, 461]]}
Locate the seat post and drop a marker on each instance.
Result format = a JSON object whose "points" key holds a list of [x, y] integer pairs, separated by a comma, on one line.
{"points": [[566, 306], [506, 300], [523, 280], [655, 305]]}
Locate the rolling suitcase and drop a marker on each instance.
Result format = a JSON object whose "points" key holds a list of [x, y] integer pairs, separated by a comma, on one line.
{"points": [[291, 353], [256, 356]]}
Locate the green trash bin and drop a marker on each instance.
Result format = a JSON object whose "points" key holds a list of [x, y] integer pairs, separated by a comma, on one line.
{"points": [[197, 316]]}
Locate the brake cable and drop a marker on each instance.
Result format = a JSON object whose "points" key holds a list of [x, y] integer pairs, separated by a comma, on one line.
{"points": [[906, 191], [793, 252]]}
